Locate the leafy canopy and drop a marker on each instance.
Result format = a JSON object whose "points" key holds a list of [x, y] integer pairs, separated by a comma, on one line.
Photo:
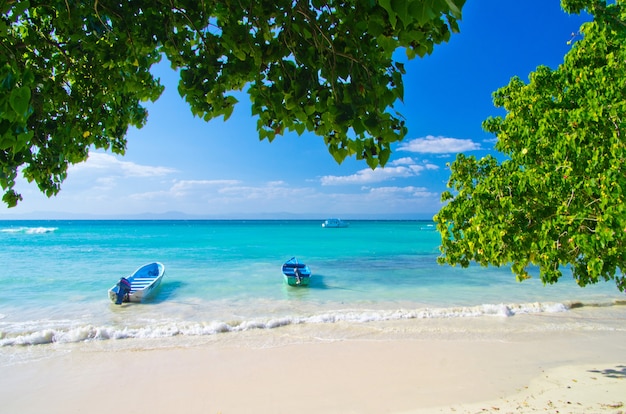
{"points": [[559, 197], [74, 74]]}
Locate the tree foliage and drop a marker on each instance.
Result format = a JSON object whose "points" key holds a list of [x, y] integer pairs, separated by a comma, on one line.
{"points": [[74, 75], [559, 196]]}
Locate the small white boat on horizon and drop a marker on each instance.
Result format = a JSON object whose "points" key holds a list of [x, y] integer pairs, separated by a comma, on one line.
{"points": [[139, 285], [334, 223]]}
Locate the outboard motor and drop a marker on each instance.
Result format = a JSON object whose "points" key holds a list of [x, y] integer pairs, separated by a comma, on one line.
{"points": [[123, 289]]}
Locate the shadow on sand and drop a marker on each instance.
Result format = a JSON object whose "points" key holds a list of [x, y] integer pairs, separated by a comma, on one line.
{"points": [[617, 372]]}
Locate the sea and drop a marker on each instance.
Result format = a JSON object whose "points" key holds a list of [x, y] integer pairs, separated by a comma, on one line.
{"points": [[223, 279]]}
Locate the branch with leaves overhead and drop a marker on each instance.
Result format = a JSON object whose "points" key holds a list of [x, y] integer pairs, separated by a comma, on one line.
{"points": [[73, 75]]}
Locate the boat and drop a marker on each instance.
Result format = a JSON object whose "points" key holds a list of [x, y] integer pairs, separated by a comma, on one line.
{"points": [[296, 273], [139, 285], [334, 223]]}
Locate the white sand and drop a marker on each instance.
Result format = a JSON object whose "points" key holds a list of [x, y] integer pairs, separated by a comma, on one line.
{"points": [[583, 389], [569, 371]]}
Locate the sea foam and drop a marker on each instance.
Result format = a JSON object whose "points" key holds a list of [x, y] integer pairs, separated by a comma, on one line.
{"points": [[27, 334]]}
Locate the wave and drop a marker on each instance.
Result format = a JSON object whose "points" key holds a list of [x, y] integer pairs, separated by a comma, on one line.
{"points": [[45, 332], [29, 230]]}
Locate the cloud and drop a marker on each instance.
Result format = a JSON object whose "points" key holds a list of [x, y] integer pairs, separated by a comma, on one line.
{"points": [[107, 186], [416, 192], [273, 191], [186, 186], [403, 161], [217, 191], [401, 168], [188, 190], [438, 145], [99, 163]]}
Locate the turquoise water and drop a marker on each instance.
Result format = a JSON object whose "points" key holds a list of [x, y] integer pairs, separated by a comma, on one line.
{"points": [[224, 276]]}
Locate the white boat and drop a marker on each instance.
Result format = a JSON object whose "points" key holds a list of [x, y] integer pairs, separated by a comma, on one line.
{"points": [[334, 223], [139, 285]]}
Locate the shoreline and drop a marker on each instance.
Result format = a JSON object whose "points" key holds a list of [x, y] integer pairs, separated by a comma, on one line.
{"points": [[487, 365]]}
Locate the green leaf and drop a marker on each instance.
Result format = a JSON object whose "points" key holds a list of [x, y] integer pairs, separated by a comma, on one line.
{"points": [[7, 79], [383, 156], [375, 28], [372, 162], [454, 9], [20, 100], [391, 14], [402, 10], [300, 128]]}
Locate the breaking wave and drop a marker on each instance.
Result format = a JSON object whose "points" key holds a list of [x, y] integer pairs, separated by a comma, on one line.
{"points": [[29, 230], [46, 332]]}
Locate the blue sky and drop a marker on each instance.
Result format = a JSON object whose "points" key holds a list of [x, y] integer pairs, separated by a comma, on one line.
{"points": [[178, 163]]}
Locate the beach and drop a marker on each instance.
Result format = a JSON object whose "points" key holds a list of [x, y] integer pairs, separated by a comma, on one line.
{"points": [[381, 328], [519, 364]]}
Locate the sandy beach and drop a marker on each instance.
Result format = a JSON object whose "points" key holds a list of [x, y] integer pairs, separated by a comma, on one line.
{"points": [[461, 366]]}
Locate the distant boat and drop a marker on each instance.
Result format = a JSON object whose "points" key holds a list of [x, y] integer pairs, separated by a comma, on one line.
{"points": [[138, 286], [334, 223], [295, 273]]}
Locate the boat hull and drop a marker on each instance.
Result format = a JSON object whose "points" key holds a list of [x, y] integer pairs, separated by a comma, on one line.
{"points": [[144, 282], [293, 281], [295, 273], [334, 224]]}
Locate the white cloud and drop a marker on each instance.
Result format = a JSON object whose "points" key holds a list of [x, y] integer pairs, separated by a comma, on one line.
{"points": [[277, 193], [187, 186], [105, 185], [403, 161], [401, 168], [417, 192], [223, 191], [438, 145], [279, 183], [102, 184], [100, 163]]}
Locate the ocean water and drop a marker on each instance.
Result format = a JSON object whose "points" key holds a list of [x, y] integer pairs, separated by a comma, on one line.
{"points": [[223, 278]]}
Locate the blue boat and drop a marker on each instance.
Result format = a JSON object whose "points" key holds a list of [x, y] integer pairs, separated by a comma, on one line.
{"points": [[295, 273], [139, 285]]}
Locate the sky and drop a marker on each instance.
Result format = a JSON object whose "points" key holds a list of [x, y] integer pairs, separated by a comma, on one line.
{"points": [[178, 166]]}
